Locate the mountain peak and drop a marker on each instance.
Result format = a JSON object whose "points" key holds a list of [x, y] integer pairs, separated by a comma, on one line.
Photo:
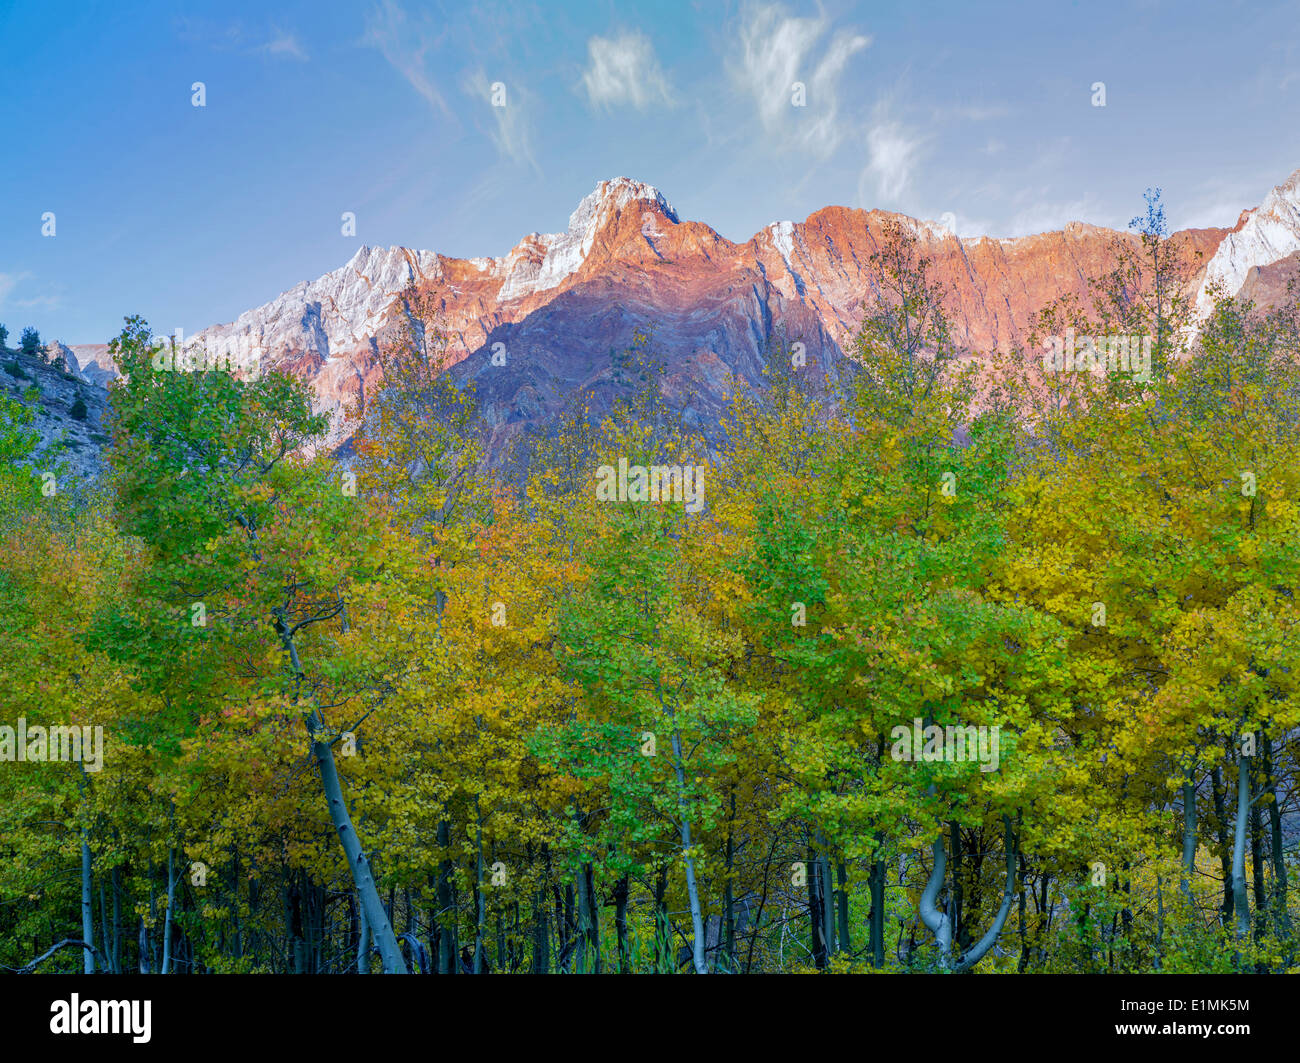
{"points": [[626, 257], [1265, 235], [360, 255], [618, 192], [562, 254]]}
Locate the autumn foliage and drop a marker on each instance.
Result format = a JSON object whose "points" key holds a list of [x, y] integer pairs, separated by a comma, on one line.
{"points": [[567, 734]]}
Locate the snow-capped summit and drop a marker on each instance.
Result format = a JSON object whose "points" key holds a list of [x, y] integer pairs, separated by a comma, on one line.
{"points": [[1269, 233], [531, 326], [617, 193], [563, 253], [340, 310], [344, 309]]}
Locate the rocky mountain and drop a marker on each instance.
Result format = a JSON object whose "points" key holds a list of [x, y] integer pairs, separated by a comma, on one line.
{"points": [[68, 409], [90, 361], [1266, 241], [538, 325]]}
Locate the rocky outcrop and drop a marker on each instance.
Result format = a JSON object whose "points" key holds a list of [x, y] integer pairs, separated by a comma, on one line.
{"points": [[69, 412], [93, 363], [1264, 236]]}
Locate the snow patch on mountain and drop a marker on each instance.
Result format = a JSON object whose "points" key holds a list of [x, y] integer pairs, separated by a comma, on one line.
{"points": [[934, 230], [562, 254], [783, 238], [783, 235], [342, 310], [339, 311], [1271, 232]]}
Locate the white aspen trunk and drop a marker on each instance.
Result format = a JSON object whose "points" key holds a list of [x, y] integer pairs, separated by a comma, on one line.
{"points": [[692, 892], [1240, 899], [167, 918], [363, 946], [87, 913], [323, 753], [389, 953], [937, 922]]}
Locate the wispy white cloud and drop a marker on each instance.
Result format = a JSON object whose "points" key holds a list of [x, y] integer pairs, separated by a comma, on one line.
{"points": [[892, 157], [510, 105], [1218, 203], [776, 51], [1221, 215], [8, 282], [1044, 215], [236, 37], [893, 153], [624, 70], [284, 43], [971, 112], [406, 44], [39, 302]]}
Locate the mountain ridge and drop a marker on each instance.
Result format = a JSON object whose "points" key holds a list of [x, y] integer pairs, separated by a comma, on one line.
{"points": [[561, 302]]}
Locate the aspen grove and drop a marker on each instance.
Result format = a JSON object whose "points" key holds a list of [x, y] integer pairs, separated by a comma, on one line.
{"points": [[955, 663]]}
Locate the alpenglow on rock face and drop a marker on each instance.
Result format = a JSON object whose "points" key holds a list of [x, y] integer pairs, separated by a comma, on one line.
{"points": [[1265, 236], [561, 303], [564, 253]]}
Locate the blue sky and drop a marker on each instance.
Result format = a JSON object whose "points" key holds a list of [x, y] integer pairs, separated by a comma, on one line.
{"points": [[190, 215]]}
